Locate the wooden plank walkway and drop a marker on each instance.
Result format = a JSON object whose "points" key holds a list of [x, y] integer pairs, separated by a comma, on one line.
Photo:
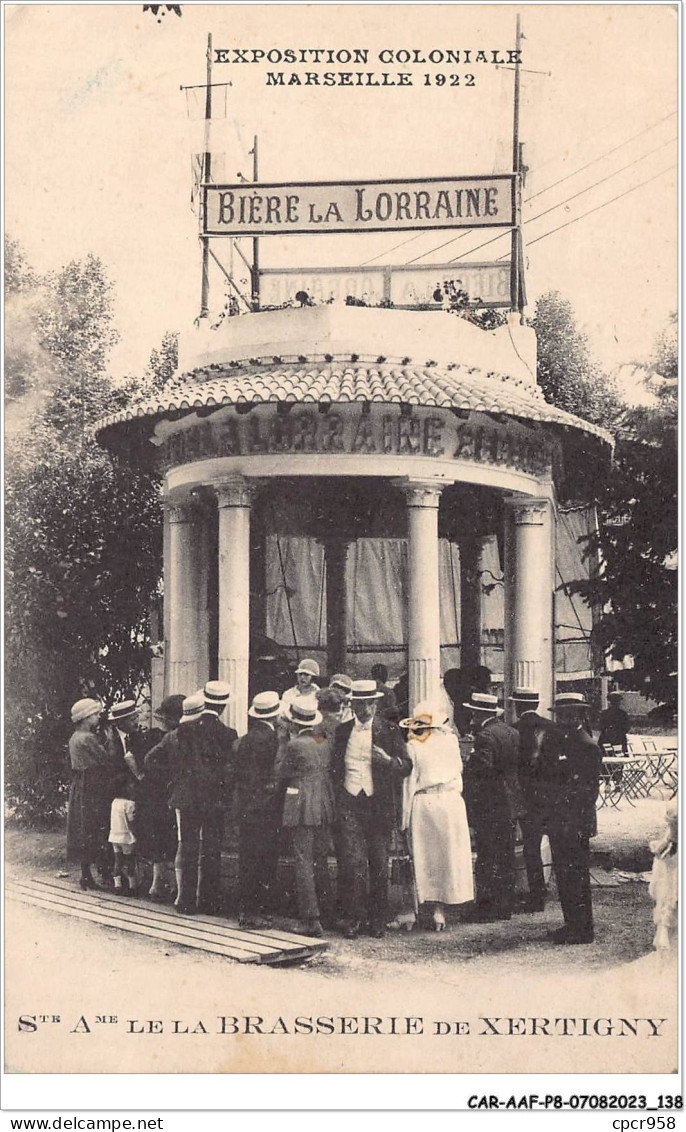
{"points": [[202, 933]]}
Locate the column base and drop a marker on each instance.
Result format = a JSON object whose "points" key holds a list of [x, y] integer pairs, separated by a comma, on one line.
{"points": [[184, 677]]}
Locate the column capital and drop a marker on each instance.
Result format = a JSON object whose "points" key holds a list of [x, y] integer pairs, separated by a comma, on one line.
{"points": [[421, 493], [234, 492], [528, 512], [182, 510]]}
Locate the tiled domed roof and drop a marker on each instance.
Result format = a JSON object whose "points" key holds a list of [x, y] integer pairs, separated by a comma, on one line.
{"points": [[336, 379]]}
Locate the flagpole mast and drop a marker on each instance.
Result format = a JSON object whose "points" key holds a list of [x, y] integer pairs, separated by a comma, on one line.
{"points": [[515, 273], [207, 174], [256, 243]]}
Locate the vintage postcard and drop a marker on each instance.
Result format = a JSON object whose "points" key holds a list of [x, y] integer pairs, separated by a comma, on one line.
{"points": [[340, 535]]}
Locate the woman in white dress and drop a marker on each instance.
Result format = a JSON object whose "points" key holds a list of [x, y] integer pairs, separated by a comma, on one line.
{"points": [[434, 813]]}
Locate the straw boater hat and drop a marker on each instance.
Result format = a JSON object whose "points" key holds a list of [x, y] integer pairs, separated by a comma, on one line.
{"points": [[171, 709], [366, 690], [265, 705], [302, 713], [615, 695], [525, 696], [428, 716], [216, 693], [84, 709], [121, 711], [483, 701], [193, 707], [309, 666], [342, 682], [569, 699]]}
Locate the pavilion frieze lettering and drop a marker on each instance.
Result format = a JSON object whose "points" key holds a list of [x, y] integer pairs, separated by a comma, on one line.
{"points": [[440, 435]]}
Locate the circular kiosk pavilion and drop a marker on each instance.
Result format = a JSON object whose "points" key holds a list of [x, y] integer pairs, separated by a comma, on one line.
{"points": [[335, 424]]}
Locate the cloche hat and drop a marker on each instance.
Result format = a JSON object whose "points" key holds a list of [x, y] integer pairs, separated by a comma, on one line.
{"points": [[309, 666], [83, 709]]}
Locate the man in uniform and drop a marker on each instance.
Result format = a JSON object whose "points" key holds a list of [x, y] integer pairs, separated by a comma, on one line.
{"points": [[493, 798], [536, 757], [368, 763], [572, 817]]}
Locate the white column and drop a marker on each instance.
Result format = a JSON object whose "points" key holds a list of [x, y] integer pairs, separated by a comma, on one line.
{"points": [[423, 609], [185, 598], [529, 584], [234, 499]]}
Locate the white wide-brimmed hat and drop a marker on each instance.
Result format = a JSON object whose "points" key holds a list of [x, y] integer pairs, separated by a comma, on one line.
{"points": [[366, 690], [193, 706], [428, 715], [300, 712], [265, 705], [124, 710], [216, 693], [525, 696], [482, 701], [569, 699]]}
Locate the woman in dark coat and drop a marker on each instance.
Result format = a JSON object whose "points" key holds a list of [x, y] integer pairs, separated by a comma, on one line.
{"points": [[155, 822], [308, 809], [90, 795]]}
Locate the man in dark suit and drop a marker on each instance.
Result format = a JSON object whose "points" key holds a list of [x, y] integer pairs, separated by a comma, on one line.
{"points": [[494, 802], [368, 763], [573, 819], [258, 815], [537, 754]]}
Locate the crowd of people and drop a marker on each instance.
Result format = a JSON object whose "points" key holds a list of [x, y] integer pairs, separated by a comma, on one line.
{"points": [[335, 770]]}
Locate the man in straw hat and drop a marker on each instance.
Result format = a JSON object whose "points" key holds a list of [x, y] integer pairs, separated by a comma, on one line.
{"points": [[494, 803], [368, 762], [198, 755], [573, 819], [537, 756], [258, 811]]}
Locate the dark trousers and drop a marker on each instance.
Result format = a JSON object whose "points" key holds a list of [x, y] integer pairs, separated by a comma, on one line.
{"points": [[198, 857], [311, 859], [572, 860], [533, 826], [258, 858], [494, 837], [362, 850]]}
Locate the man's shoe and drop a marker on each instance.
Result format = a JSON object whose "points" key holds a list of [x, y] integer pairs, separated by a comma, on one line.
{"points": [[351, 931], [376, 931]]}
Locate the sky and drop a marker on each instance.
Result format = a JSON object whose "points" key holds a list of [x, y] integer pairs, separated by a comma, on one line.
{"points": [[98, 144]]}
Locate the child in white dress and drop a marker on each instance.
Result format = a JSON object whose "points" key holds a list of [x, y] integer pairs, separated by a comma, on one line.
{"points": [[123, 839], [664, 887]]}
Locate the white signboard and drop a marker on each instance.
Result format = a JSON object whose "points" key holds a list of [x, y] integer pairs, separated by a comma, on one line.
{"points": [[360, 206]]}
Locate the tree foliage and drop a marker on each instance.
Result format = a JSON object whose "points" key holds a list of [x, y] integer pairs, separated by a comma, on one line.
{"points": [[567, 373], [83, 533], [636, 588]]}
